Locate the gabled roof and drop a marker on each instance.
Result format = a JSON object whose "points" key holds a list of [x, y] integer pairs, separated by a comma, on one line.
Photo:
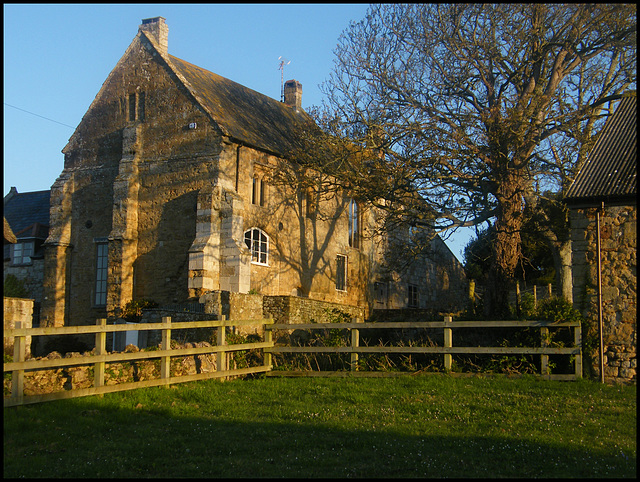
{"points": [[609, 175], [27, 213], [241, 113]]}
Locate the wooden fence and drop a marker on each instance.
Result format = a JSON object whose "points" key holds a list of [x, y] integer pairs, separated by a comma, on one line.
{"points": [[447, 350], [19, 365]]}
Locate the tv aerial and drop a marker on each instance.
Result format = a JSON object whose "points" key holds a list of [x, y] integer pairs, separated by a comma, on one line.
{"points": [[281, 63]]}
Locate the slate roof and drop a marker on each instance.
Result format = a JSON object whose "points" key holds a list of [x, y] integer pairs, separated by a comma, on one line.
{"points": [[28, 213], [609, 175], [242, 113]]}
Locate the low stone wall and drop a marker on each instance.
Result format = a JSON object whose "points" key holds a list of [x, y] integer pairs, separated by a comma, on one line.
{"points": [[17, 309], [293, 310], [74, 378]]}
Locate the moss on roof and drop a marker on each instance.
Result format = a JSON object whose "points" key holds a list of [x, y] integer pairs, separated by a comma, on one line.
{"points": [[242, 113]]}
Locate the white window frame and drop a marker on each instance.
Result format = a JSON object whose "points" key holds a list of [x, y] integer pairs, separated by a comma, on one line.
{"points": [[20, 255], [257, 241]]}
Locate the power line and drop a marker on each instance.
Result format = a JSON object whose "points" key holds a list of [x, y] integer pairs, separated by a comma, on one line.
{"points": [[38, 115]]}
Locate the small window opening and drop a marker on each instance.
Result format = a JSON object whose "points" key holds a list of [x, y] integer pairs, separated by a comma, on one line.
{"points": [[341, 272]]}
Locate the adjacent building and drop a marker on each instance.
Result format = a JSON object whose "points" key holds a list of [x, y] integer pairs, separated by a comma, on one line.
{"points": [[603, 218]]}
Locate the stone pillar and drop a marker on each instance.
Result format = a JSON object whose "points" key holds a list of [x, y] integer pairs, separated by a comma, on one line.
{"points": [[57, 255], [204, 254], [123, 239], [235, 257]]}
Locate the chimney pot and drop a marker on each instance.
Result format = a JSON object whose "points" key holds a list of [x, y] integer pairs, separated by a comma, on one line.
{"points": [[158, 28], [293, 94]]}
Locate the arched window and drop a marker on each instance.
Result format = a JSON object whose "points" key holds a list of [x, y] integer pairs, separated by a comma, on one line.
{"points": [[258, 242]]}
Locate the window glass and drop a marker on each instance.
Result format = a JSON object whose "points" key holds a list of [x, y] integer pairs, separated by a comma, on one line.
{"points": [[341, 273], [354, 224], [263, 192], [101, 274], [413, 296], [258, 242], [132, 107], [22, 252], [254, 191]]}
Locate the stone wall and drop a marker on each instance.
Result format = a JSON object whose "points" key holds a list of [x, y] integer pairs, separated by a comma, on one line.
{"points": [[32, 275], [618, 238], [77, 377], [17, 309]]}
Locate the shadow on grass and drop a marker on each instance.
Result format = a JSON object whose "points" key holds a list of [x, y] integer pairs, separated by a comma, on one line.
{"points": [[90, 437]]}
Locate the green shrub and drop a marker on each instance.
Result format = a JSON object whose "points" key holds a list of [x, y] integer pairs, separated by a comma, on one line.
{"points": [[558, 310], [15, 288], [132, 311]]}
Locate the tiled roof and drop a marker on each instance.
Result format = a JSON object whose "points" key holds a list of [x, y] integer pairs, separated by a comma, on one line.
{"points": [[28, 213], [609, 175], [242, 113]]}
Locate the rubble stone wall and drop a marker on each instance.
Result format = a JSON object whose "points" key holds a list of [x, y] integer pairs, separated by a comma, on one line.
{"points": [[618, 240]]}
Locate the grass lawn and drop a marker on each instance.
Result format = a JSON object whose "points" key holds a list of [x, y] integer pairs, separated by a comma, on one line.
{"points": [[411, 426]]}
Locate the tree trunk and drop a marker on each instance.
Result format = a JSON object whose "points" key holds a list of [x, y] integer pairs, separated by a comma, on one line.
{"points": [[562, 261], [506, 248]]}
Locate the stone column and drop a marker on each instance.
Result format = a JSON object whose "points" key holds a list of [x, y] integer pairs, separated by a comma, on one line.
{"points": [[57, 255], [235, 257], [123, 239], [204, 254]]}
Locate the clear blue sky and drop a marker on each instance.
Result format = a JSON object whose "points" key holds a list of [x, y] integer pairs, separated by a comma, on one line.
{"points": [[56, 58]]}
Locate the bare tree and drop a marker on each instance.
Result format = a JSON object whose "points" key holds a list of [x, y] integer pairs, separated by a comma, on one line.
{"points": [[476, 109]]}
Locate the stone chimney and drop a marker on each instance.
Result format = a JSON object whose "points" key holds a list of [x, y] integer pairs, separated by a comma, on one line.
{"points": [[158, 29], [293, 94]]}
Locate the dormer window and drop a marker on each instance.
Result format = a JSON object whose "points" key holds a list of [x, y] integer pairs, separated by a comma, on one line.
{"points": [[22, 252]]}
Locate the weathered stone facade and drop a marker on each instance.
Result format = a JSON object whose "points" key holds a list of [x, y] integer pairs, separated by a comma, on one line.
{"points": [[169, 173], [17, 310], [618, 240]]}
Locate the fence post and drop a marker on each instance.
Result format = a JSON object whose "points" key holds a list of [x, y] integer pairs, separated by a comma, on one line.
{"points": [[355, 342], [268, 338], [165, 361], [577, 340], [518, 298], [101, 349], [222, 340], [544, 359], [17, 376], [448, 343], [535, 296]]}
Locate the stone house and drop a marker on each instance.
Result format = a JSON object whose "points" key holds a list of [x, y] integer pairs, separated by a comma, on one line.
{"points": [[605, 282], [167, 194], [27, 214]]}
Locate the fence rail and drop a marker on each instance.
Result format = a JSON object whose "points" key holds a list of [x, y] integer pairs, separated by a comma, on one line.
{"points": [[165, 353], [20, 365], [446, 350]]}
